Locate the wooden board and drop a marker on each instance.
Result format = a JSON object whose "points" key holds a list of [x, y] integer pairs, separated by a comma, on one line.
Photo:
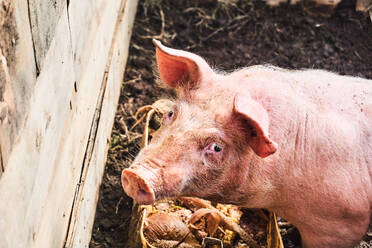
{"points": [[26, 179], [87, 194], [19, 87], [44, 15], [48, 161]]}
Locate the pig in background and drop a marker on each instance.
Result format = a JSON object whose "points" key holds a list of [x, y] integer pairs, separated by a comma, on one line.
{"points": [[298, 143], [323, 8], [332, 3]]}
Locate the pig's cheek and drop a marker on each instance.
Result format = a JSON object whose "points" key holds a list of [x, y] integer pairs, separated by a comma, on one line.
{"points": [[213, 159], [188, 172], [175, 180]]}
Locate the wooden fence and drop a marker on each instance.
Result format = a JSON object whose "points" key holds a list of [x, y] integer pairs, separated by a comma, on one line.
{"points": [[61, 66]]}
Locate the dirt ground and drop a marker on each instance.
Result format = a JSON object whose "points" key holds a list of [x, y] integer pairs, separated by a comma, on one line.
{"points": [[229, 34]]}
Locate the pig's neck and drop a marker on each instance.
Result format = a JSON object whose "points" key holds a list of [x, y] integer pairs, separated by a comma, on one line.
{"points": [[269, 181], [272, 182], [259, 182]]}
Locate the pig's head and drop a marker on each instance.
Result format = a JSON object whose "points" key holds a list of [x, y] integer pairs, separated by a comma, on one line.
{"points": [[205, 138]]}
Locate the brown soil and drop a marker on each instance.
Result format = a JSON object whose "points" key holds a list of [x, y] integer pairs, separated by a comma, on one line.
{"points": [[229, 34]]}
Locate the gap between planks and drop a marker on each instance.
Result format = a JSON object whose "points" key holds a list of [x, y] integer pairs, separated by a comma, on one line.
{"points": [[32, 39], [92, 134]]}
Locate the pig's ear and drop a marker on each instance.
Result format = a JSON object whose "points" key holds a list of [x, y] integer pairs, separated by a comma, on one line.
{"points": [[177, 67], [254, 121]]}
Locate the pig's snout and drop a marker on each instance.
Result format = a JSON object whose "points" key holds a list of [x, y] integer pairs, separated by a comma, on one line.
{"points": [[136, 187]]}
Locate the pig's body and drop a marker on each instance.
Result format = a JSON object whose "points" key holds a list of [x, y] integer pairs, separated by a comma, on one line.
{"points": [[319, 174], [320, 177]]}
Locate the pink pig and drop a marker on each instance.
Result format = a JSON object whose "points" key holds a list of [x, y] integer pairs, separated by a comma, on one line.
{"points": [[298, 143]]}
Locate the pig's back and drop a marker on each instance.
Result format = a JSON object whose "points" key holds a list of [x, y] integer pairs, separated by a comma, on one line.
{"points": [[315, 108], [340, 101], [349, 98], [345, 95], [326, 92]]}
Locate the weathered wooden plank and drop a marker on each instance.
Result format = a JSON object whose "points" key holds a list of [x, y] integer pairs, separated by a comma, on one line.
{"points": [[44, 16], [45, 163], [16, 87], [83, 40], [89, 66], [24, 184], [85, 203]]}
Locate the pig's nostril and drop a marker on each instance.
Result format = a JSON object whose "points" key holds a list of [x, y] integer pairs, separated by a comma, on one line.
{"points": [[142, 193], [145, 196], [143, 190]]}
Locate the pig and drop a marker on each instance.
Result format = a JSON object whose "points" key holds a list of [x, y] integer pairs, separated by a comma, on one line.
{"points": [[332, 3], [295, 142]]}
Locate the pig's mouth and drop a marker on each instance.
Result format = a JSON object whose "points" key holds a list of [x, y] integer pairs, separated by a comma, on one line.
{"points": [[137, 188]]}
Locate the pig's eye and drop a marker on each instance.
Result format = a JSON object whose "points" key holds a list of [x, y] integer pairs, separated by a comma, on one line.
{"points": [[168, 117], [214, 153], [216, 148]]}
